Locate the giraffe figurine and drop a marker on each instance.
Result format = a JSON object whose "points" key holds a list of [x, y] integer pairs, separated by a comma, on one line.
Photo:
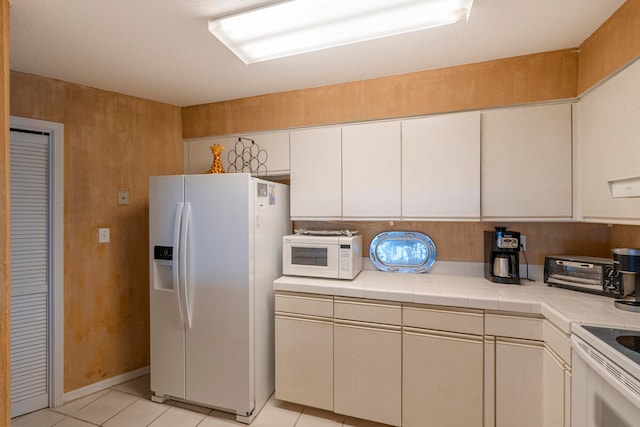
{"points": [[216, 166]]}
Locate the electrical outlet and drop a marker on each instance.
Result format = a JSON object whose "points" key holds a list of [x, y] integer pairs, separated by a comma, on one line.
{"points": [[104, 235], [123, 198], [523, 242]]}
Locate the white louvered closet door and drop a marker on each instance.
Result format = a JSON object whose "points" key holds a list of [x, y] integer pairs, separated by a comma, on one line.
{"points": [[30, 277]]}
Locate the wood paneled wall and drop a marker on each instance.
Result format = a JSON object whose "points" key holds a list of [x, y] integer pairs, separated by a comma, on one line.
{"points": [[464, 241], [613, 45], [112, 142], [5, 243], [530, 78], [625, 236]]}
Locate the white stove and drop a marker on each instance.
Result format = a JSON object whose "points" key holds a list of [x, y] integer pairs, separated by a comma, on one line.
{"points": [[605, 386]]}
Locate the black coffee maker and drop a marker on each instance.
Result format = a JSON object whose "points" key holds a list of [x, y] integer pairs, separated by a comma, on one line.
{"points": [[502, 256], [627, 263]]}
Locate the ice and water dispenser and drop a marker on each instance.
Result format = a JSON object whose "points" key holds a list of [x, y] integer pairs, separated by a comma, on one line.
{"points": [[163, 267]]}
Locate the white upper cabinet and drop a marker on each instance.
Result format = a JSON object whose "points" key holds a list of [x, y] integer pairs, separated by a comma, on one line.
{"points": [[267, 155], [609, 149], [527, 163], [316, 173], [441, 167], [371, 171]]}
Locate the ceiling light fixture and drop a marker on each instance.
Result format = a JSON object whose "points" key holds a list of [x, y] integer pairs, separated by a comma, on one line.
{"points": [[300, 26]]}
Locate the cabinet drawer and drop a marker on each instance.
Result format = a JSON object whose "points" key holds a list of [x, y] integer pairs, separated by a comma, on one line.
{"points": [[389, 313], [462, 321], [312, 305], [528, 328]]}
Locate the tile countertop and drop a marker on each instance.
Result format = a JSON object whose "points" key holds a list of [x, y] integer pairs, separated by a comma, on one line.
{"points": [[561, 306]]}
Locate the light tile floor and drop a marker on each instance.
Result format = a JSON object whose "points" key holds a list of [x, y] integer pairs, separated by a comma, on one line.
{"points": [[129, 405]]}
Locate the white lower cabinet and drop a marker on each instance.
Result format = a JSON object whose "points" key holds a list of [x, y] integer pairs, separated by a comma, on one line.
{"points": [[416, 365], [368, 361], [304, 350], [531, 382], [553, 377], [518, 382], [442, 367]]}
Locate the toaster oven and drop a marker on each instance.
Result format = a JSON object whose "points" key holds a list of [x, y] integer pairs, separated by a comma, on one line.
{"points": [[587, 274]]}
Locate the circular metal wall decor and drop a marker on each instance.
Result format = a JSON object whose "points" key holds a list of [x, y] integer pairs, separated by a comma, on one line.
{"points": [[403, 252]]}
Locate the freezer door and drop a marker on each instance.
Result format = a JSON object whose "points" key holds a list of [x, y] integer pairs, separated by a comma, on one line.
{"points": [[167, 352], [219, 343]]}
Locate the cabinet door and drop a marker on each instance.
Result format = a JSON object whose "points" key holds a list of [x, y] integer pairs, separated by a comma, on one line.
{"points": [[519, 383], [441, 167], [609, 149], [368, 372], [316, 173], [553, 409], [527, 163], [304, 361], [567, 396], [442, 379], [371, 171]]}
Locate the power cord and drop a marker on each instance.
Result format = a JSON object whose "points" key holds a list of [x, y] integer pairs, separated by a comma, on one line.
{"points": [[524, 253]]}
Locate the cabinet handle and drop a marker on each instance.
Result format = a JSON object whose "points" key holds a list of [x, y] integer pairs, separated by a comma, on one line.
{"points": [[304, 317], [369, 326], [343, 301], [520, 341], [442, 334], [294, 295]]}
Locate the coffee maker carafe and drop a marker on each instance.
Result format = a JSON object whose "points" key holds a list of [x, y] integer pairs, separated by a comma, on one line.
{"points": [[502, 256]]}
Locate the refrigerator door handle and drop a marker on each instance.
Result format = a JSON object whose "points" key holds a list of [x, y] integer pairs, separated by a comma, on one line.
{"points": [[184, 229], [176, 260]]}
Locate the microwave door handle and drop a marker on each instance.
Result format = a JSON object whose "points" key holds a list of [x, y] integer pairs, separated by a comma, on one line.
{"points": [[183, 283], [176, 261]]}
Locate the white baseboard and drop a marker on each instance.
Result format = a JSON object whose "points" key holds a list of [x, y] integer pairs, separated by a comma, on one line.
{"points": [[102, 385]]}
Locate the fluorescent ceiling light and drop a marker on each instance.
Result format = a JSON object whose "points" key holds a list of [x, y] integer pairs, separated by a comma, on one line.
{"points": [[299, 26]]}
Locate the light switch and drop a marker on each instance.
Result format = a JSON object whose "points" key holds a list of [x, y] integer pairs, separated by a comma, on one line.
{"points": [[104, 235], [123, 198]]}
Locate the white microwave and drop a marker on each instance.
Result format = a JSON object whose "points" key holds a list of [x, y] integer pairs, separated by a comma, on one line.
{"points": [[331, 257]]}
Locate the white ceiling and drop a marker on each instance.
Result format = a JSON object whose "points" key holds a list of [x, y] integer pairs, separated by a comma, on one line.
{"points": [[161, 49]]}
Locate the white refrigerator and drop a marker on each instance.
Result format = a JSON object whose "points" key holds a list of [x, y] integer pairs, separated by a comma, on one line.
{"points": [[215, 248]]}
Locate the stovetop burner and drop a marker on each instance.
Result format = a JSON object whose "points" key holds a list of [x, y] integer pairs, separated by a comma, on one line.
{"points": [[632, 342], [624, 341]]}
